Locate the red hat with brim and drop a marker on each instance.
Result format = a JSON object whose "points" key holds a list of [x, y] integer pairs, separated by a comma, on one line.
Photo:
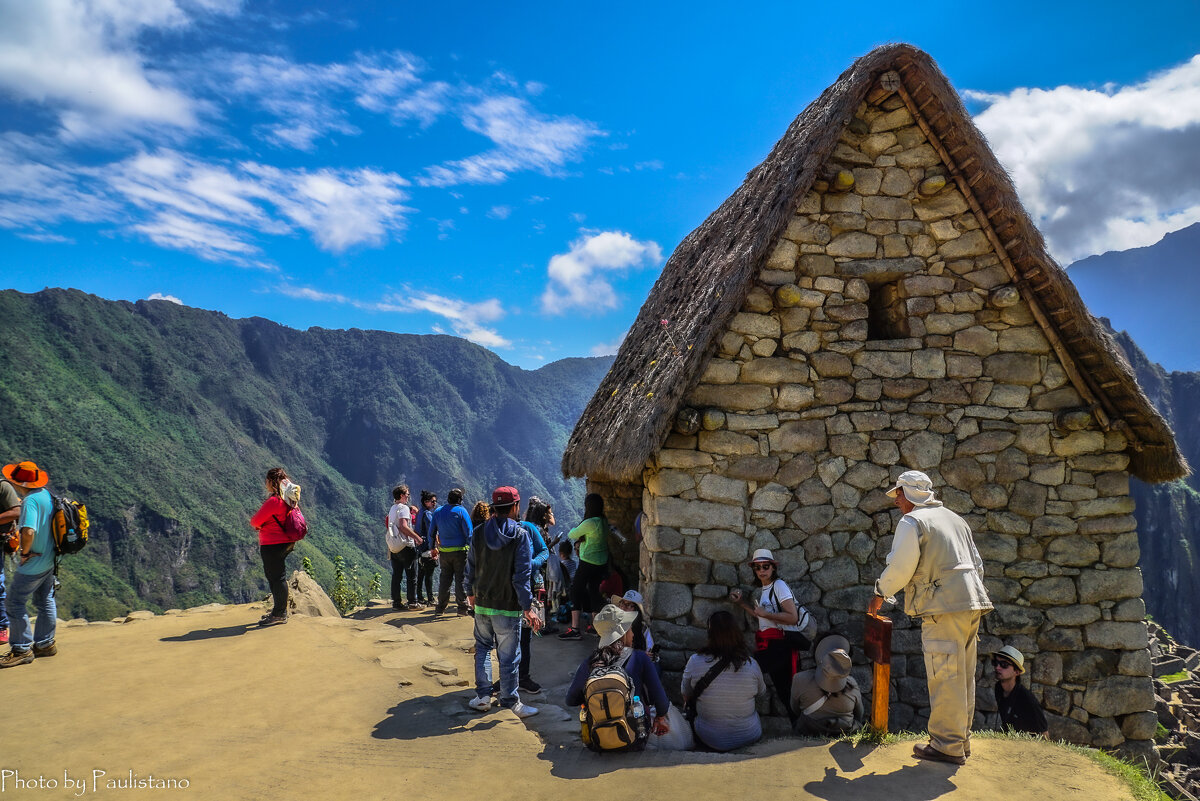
{"points": [[27, 475], [505, 496]]}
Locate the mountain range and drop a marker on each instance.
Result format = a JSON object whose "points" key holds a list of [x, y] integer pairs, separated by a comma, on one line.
{"points": [[164, 419]]}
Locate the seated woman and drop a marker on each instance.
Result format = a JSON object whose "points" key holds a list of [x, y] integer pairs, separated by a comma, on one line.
{"points": [[615, 626], [632, 601], [725, 714]]}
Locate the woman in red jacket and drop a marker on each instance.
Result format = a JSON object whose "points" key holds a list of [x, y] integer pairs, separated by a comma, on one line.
{"points": [[273, 544]]}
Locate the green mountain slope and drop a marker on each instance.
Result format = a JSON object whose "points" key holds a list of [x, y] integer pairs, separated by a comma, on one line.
{"points": [[164, 419]]}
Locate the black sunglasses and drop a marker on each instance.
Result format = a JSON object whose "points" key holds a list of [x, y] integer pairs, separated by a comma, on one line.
{"points": [[1003, 663], [762, 565]]}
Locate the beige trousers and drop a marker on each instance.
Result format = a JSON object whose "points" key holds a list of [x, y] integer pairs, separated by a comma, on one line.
{"points": [[950, 642]]}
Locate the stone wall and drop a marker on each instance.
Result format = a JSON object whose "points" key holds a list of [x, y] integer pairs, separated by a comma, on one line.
{"points": [[882, 335]]}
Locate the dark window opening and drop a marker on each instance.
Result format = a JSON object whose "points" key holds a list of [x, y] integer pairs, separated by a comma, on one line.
{"points": [[887, 313]]}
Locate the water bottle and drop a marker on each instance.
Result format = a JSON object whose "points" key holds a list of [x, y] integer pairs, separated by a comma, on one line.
{"points": [[639, 710]]}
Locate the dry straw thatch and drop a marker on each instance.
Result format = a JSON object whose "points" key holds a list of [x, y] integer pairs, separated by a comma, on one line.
{"points": [[708, 276]]}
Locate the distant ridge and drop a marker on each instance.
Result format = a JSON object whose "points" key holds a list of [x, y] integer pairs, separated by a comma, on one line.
{"points": [[1141, 288], [164, 419]]}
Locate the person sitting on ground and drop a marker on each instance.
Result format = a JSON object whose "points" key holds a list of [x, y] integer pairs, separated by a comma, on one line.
{"points": [[643, 640], [615, 626], [725, 717], [1019, 710], [826, 698]]}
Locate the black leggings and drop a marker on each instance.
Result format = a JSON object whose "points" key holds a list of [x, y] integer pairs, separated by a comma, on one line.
{"points": [[425, 568], [273, 557], [404, 568], [585, 589], [776, 662]]}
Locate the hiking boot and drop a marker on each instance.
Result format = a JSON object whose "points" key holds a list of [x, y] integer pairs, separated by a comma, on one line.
{"points": [[272, 620], [415, 605], [40, 651], [14, 658], [3, 636], [934, 755], [570, 634], [439, 610], [480, 703], [530, 686], [523, 710], [466, 611]]}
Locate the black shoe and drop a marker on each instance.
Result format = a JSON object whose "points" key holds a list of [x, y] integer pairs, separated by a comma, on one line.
{"points": [[571, 634], [530, 686]]}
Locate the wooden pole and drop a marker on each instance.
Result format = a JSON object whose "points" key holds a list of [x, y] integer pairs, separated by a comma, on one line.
{"points": [[880, 696]]}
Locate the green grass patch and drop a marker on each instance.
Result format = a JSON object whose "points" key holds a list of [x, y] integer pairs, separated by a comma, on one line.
{"points": [[1171, 678]]}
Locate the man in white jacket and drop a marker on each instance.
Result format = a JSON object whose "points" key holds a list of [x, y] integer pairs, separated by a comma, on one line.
{"points": [[935, 562]]}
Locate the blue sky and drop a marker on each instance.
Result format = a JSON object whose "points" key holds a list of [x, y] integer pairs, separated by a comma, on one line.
{"points": [[518, 173]]}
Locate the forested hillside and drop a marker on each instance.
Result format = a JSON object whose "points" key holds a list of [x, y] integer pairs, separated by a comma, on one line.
{"points": [[164, 419]]}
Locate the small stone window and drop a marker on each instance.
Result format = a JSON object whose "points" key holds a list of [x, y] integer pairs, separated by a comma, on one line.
{"points": [[887, 314]]}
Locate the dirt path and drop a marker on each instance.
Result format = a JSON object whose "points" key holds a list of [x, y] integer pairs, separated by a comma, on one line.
{"points": [[329, 709]]}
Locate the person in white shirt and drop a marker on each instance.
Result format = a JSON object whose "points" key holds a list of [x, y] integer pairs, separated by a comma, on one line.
{"points": [[779, 640], [402, 543]]}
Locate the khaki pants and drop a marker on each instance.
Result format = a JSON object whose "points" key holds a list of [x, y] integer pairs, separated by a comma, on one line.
{"points": [[950, 642]]}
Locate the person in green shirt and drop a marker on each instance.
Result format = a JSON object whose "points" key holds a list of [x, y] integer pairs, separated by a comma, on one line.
{"points": [[591, 537]]}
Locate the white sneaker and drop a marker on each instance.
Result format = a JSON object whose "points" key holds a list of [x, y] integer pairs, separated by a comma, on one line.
{"points": [[480, 704], [524, 710]]}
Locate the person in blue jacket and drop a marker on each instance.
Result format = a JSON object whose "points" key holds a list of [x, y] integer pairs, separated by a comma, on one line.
{"points": [[497, 585], [451, 529], [668, 729]]}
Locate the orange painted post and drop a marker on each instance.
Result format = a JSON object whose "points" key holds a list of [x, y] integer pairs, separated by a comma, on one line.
{"points": [[878, 646]]}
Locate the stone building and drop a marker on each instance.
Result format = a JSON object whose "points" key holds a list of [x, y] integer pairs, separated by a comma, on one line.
{"points": [[872, 299]]}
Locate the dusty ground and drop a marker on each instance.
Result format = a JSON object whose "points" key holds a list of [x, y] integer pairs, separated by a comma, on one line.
{"points": [[328, 709]]}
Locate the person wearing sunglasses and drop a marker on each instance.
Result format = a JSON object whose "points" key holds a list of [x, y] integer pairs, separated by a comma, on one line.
{"points": [[1019, 710], [779, 639]]}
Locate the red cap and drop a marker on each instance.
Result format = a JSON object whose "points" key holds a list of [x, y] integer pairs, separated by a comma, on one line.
{"points": [[505, 496]]}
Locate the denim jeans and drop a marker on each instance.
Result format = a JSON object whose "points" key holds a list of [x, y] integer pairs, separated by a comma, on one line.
{"points": [[41, 587], [3, 605], [504, 634]]}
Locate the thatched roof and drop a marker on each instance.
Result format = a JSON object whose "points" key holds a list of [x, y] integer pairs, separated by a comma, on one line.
{"points": [[707, 278]]}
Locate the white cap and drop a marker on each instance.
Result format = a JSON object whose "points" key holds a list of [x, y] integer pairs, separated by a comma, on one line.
{"points": [[916, 486]]}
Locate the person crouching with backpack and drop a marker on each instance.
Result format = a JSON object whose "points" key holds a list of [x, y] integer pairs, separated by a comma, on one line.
{"points": [[615, 626], [273, 544]]}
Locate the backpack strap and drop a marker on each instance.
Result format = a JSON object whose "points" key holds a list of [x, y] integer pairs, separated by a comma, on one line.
{"points": [[815, 705], [702, 685]]}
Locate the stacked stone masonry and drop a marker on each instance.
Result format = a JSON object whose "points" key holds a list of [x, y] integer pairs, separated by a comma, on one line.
{"points": [[883, 334]]}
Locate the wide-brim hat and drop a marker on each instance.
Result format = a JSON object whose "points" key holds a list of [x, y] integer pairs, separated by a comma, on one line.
{"points": [[27, 475], [833, 662], [612, 622], [1012, 655], [915, 485], [634, 597], [763, 555]]}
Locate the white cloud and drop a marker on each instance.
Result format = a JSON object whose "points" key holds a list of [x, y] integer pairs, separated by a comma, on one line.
{"points": [[1102, 169], [608, 348], [580, 277], [466, 319], [161, 296], [525, 140], [500, 212], [80, 59], [308, 102]]}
